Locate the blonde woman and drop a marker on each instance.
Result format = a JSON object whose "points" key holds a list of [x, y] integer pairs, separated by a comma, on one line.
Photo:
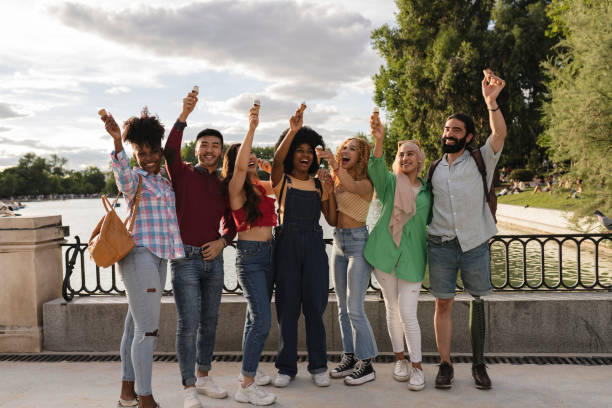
{"points": [[397, 247]]}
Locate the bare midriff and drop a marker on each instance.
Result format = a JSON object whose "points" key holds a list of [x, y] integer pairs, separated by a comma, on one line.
{"points": [[344, 221], [256, 234]]}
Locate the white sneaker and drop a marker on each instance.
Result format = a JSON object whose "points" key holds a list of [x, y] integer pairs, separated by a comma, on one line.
{"points": [[282, 380], [261, 378], [191, 398], [255, 395], [321, 379], [417, 379], [401, 372], [206, 386]]}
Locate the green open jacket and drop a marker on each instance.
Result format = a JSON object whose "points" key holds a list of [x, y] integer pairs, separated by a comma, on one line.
{"points": [[410, 259]]}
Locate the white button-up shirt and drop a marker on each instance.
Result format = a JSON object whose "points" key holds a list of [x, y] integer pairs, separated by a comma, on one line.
{"points": [[460, 209]]}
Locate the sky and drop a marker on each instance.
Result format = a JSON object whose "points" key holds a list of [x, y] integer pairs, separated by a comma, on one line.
{"points": [[61, 61]]}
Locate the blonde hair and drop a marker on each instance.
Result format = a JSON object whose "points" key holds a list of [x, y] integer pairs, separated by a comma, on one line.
{"points": [[360, 170]]}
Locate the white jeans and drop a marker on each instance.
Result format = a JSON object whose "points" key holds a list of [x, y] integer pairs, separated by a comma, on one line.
{"points": [[401, 300]]}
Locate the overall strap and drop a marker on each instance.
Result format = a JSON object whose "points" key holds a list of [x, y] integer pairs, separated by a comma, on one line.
{"points": [[280, 197]]}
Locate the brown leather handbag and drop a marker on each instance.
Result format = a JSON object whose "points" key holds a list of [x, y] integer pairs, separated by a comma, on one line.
{"points": [[111, 241]]}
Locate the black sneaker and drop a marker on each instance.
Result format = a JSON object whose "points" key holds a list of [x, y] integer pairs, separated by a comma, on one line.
{"points": [[481, 378], [346, 366], [363, 373], [446, 375]]}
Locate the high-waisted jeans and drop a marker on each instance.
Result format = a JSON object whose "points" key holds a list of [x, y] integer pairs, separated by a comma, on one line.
{"points": [[197, 286], [351, 274], [144, 276], [254, 270]]}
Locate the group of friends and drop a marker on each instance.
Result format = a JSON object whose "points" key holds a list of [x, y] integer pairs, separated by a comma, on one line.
{"points": [[441, 220]]}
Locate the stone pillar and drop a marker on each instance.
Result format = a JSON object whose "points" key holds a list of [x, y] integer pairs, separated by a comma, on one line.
{"points": [[30, 275]]}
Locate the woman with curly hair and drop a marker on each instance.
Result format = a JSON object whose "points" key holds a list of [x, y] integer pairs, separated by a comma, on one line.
{"points": [[353, 191], [301, 270], [397, 247], [255, 216], [157, 238]]}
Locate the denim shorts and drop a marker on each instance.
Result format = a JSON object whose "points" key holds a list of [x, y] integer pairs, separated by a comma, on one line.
{"points": [[447, 258]]}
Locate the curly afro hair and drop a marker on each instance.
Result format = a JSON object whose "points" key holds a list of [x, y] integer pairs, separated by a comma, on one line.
{"points": [[304, 135], [144, 130]]}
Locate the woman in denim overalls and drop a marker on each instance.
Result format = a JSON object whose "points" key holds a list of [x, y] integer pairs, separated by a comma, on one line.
{"points": [[301, 269]]}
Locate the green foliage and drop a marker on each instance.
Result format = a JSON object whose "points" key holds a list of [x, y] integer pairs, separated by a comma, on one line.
{"points": [[579, 114], [433, 67], [521, 174], [36, 175], [188, 153]]}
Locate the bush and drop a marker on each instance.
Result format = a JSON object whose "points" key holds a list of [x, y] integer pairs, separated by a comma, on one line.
{"points": [[522, 174]]}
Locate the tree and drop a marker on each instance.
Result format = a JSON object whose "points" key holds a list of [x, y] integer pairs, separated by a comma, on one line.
{"points": [[579, 114], [433, 67]]}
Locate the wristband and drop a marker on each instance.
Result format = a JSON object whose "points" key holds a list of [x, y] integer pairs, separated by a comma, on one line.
{"points": [[493, 110]]}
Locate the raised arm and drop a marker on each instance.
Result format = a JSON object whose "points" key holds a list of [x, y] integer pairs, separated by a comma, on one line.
{"points": [[295, 124], [241, 166], [491, 87], [361, 187], [378, 131], [172, 150], [265, 166]]}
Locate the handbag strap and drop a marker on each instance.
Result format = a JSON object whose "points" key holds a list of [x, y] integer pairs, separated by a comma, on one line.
{"points": [[135, 206]]}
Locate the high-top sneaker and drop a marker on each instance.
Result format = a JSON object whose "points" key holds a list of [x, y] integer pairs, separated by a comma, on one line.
{"points": [[346, 366], [363, 373]]}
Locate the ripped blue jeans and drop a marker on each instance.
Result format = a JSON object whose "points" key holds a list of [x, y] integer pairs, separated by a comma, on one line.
{"points": [[144, 276]]}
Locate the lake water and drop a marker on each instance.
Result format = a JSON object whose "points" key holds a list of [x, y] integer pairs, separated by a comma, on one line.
{"points": [[82, 215]]}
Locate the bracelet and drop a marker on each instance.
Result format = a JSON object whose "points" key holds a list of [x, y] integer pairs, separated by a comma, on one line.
{"points": [[493, 110]]}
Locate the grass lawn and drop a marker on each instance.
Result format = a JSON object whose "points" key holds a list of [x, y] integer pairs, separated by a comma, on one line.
{"points": [[557, 200]]}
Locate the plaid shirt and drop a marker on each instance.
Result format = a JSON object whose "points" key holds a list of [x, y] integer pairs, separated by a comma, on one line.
{"points": [[156, 226]]}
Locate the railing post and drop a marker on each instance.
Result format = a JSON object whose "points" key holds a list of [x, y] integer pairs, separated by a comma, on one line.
{"points": [[31, 274]]}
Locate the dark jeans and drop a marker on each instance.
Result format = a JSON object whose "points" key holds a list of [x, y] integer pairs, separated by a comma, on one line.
{"points": [[254, 270], [302, 282], [197, 286]]}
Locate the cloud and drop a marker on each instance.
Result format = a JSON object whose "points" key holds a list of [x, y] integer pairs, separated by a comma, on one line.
{"points": [[7, 111], [272, 39], [117, 90], [4, 129]]}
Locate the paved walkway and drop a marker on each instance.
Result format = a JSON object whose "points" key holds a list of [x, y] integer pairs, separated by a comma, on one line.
{"points": [[55, 385]]}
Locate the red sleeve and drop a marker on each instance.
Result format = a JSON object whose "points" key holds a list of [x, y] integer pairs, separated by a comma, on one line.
{"points": [[228, 224], [172, 151]]}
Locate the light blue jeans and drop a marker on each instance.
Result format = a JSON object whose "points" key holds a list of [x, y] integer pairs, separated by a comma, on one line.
{"points": [[352, 274], [197, 286], [254, 270], [144, 275]]}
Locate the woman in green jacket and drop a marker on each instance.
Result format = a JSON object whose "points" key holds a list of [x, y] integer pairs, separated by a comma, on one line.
{"points": [[397, 247]]}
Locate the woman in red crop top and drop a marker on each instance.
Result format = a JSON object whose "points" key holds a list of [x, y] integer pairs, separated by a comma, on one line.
{"points": [[255, 218]]}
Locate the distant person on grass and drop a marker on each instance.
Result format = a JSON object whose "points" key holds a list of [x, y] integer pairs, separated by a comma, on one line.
{"points": [[197, 279], [157, 238], [460, 229]]}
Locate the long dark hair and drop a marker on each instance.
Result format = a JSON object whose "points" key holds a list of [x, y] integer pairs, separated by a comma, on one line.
{"points": [[251, 205]]}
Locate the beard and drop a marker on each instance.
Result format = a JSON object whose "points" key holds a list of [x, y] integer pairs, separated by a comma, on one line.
{"points": [[459, 144]]}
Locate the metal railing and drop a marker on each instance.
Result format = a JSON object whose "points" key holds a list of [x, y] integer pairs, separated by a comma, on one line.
{"points": [[519, 263]]}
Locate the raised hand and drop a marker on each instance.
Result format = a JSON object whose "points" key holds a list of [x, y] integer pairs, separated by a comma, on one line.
{"points": [[297, 120], [326, 180], [327, 155], [491, 87], [189, 103], [264, 165], [111, 126], [253, 117], [376, 127]]}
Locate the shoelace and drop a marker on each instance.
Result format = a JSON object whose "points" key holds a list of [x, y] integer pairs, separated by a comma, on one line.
{"points": [[346, 362], [359, 368]]}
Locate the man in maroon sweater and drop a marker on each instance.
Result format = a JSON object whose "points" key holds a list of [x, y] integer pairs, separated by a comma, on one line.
{"points": [[197, 279]]}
